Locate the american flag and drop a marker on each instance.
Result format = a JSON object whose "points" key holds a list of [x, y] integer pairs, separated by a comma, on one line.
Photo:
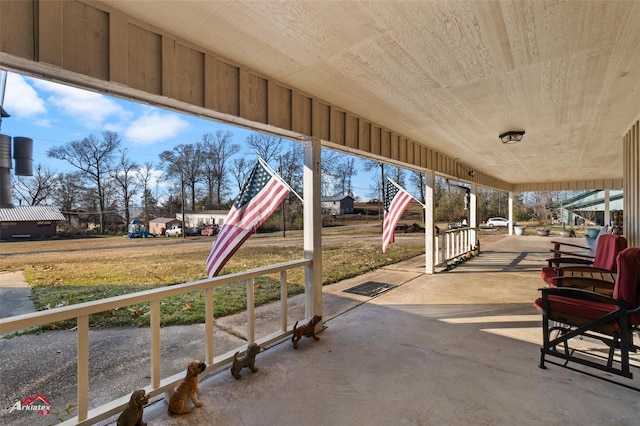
{"points": [[396, 201], [261, 194]]}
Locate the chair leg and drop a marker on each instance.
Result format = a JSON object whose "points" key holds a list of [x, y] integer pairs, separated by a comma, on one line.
{"points": [[612, 349], [541, 364]]}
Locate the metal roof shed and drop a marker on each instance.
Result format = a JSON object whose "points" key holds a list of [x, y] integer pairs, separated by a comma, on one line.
{"points": [[29, 222]]}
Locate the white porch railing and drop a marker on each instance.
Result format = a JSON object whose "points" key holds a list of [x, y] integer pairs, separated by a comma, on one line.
{"points": [[158, 385], [451, 244]]}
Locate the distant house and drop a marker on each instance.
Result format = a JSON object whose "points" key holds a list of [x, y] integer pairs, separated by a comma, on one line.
{"points": [[338, 204], [589, 207], [203, 217], [29, 222], [158, 225]]}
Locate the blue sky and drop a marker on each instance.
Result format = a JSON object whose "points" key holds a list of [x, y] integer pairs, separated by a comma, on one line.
{"points": [[53, 114]]}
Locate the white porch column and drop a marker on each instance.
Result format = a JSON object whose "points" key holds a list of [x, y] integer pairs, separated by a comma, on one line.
{"points": [[607, 214], [429, 224], [510, 213], [473, 213], [312, 228], [631, 185]]}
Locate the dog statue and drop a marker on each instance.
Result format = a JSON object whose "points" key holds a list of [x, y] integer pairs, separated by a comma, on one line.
{"points": [[308, 330], [248, 360], [132, 414], [187, 389]]}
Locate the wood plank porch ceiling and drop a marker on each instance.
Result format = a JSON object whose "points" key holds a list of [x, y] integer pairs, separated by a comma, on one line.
{"points": [[450, 76]]}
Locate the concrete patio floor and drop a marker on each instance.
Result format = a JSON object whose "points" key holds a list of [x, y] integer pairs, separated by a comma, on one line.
{"points": [[455, 348]]}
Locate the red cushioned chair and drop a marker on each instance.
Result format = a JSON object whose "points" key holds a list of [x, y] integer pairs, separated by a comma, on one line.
{"points": [[602, 266], [574, 312]]}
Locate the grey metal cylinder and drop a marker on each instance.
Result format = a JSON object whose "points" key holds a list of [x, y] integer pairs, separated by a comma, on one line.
{"points": [[23, 154], [5, 188], [5, 151]]}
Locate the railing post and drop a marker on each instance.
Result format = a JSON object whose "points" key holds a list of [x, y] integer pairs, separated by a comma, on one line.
{"points": [[251, 316], [155, 342], [209, 324], [284, 302], [466, 239], [455, 236], [83, 367]]}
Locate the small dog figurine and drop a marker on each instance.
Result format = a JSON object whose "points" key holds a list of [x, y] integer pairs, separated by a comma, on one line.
{"points": [[249, 360], [187, 389], [308, 330], [132, 414]]}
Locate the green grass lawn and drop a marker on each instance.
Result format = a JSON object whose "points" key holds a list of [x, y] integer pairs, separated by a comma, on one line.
{"points": [[66, 272]]}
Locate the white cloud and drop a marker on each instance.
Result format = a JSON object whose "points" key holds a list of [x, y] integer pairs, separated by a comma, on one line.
{"points": [[20, 99], [153, 127], [89, 108], [113, 127]]}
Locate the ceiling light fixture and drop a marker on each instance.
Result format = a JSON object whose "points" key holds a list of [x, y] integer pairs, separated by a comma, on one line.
{"points": [[512, 136]]}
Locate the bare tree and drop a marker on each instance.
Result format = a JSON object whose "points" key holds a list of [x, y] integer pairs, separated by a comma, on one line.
{"points": [[290, 167], [397, 174], [449, 202], [93, 156], [344, 172], [240, 171], [184, 164], [370, 165], [418, 180], [126, 181], [36, 189], [540, 202], [149, 203], [266, 146], [328, 166], [217, 149], [69, 192]]}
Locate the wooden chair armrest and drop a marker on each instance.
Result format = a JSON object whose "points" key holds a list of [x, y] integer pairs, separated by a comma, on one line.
{"points": [[580, 294], [559, 253], [557, 261], [557, 244]]}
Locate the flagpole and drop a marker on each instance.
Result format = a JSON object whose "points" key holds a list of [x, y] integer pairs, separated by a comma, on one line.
{"points": [[268, 167]]}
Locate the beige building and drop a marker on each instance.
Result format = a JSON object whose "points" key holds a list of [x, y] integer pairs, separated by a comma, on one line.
{"points": [[159, 225], [203, 217]]}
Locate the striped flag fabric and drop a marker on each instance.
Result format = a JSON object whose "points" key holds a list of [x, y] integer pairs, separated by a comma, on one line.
{"points": [[396, 200], [260, 196]]}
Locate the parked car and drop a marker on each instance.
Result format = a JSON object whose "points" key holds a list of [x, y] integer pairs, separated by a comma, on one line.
{"points": [[192, 230], [495, 222], [174, 231], [210, 230]]}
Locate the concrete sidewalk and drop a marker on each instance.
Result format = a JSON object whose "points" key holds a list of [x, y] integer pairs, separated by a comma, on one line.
{"points": [[15, 295]]}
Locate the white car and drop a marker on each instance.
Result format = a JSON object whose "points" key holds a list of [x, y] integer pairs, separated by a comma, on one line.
{"points": [[174, 231], [494, 222]]}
